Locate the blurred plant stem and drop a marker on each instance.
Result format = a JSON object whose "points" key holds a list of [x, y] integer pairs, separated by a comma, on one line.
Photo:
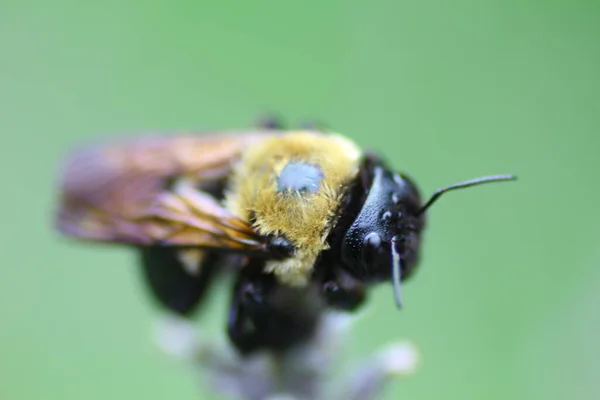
{"points": [[303, 373]]}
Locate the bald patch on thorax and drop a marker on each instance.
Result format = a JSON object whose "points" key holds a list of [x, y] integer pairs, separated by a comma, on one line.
{"points": [[299, 177]]}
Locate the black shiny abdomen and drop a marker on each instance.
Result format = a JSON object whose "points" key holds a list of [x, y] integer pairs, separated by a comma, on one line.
{"points": [[175, 288]]}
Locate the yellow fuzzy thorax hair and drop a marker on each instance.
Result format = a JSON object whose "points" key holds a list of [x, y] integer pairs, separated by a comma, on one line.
{"points": [[304, 218]]}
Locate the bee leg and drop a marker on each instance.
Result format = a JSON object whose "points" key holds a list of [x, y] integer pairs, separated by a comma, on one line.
{"points": [[249, 311], [271, 121], [344, 292], [268, 315], [177, 280]]}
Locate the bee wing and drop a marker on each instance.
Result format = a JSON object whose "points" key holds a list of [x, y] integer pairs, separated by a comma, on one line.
{"points": [[119, 193]]}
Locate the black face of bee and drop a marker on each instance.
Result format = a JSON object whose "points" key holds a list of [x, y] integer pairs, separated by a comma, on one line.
{"points": [[376, 238], [378, 234], [388, 218]]}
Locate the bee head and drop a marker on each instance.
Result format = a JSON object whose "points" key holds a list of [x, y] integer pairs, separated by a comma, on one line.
{"points": [[383, 240]]}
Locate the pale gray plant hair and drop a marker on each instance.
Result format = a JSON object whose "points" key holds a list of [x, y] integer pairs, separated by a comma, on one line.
{"points": [[303, 373]]}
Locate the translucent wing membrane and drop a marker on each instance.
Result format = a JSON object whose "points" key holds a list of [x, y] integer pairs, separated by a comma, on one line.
{"points": [[124, 193]]}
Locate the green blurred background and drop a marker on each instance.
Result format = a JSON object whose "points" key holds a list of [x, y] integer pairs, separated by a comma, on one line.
{"points": [[506, 303]]}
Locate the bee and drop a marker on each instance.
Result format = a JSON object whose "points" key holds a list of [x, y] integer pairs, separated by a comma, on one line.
{"points": [[304, 219]]}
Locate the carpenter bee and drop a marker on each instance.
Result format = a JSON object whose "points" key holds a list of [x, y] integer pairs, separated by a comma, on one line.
{"points": [[303, 218]]}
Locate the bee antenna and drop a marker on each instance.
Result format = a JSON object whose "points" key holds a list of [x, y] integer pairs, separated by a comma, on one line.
{"points": [[473, 182], [396, 273]]}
